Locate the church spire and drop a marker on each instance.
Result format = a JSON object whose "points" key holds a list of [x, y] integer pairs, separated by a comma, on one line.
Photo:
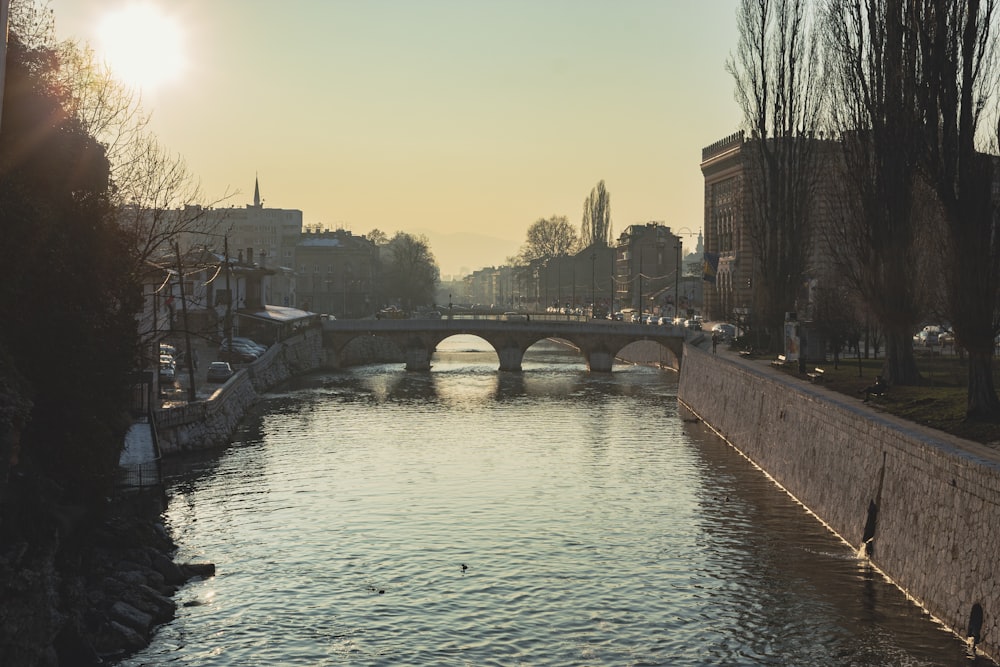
{"points": [[256, 191]]}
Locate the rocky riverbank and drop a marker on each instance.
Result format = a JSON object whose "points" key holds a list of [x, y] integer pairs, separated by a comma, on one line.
{"points": [[85, 587]]}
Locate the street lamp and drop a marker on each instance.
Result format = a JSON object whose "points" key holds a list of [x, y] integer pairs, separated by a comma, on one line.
{"points": [[677, 277], [593, 297]]}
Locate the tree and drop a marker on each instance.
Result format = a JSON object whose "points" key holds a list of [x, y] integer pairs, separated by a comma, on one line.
{"points": [[596, 228], [157, 200], [873, 61], [378, 237], [72, 307], [777, 85], [547, 238], [957, 45], [409, 270]]}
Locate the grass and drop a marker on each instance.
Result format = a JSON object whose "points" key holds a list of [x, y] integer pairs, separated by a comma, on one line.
{"points": [[939, 402]]}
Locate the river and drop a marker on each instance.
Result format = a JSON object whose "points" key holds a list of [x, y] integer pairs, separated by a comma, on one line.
{"points": [[470, 517]]}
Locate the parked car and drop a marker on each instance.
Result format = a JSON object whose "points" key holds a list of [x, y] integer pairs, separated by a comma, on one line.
{"points": [[726, 331], [246, 342], [168, 373], [237, 352], [927, 337], [219, 371]]}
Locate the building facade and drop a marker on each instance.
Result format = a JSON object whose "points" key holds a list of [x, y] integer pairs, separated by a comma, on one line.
{"points": [[648, 269], [336, 273]]}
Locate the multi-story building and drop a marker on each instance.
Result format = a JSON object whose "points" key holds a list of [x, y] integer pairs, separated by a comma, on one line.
{"points": [[648, 269], [727, 244], [268, 234], [336, 273]]}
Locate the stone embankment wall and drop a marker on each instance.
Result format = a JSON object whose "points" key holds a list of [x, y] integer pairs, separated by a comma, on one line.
{"points": [[926, 505], [212, 422]]}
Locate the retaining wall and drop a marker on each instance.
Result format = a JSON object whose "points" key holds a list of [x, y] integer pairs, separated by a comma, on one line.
{"points": [[211, 423], [926, 504]]}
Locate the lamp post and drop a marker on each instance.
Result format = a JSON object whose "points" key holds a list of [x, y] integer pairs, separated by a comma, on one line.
{"points": [[347, 283], [640, 283], [593, 296], [677, 278]]}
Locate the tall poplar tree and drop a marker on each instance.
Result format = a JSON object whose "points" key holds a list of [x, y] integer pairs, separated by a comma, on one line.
{"points": [[957, 55], [776, 71], [873, 47], [596, 227]]}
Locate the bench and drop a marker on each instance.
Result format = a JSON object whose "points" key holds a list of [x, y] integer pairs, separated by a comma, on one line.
{"points": [[816, 375], [879, 389], [779, 362]]}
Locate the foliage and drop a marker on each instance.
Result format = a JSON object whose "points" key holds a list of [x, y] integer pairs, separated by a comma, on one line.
{"points": [[547, 238], [409, 271], [71, 297], [775, 70], [596, 228], [957, 76], [378, 237]]}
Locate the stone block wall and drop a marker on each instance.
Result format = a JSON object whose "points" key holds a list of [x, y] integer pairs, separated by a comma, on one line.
{"points": [[926, 505], [210, 423]]}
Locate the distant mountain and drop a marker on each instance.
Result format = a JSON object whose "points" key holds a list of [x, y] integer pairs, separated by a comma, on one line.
{"points": [[461, 253]]}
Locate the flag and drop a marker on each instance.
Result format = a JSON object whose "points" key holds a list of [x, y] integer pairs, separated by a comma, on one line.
{"points": [[709, 266]]}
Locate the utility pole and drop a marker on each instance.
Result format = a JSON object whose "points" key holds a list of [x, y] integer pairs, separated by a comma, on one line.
{"points": [[192, 392], [677, 282], [229, 293]]}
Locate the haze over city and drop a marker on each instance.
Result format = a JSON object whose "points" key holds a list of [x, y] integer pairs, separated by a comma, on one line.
{"points": [[463, 121]]}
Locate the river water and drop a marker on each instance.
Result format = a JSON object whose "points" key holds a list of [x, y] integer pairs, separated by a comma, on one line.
{"points": [[470, 517]]}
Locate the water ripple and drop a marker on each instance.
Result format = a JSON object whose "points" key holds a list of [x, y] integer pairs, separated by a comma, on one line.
{"points": [[469, 517]]}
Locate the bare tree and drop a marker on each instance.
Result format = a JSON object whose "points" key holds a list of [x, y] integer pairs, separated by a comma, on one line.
{"points": [[776, 71], [409, 270], [957, 40], [596, 228], [548, 237], [873, 49]]}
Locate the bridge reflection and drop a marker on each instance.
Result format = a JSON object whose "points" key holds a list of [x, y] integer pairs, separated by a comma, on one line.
{"points": [[599, 341]]}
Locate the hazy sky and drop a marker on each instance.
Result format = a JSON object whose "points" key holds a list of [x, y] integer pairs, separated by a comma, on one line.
{"points": [[435, 116]]}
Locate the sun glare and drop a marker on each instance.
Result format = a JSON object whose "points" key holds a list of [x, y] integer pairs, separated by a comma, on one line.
{"points": [[142, 45]]}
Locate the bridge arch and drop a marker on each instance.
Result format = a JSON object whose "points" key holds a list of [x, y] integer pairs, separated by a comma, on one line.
{"points": [[417, 340]]}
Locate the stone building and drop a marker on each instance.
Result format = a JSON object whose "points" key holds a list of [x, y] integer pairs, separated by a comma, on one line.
{"points": [[727, 244], [729, 254], [336, 273], [648, 269]]}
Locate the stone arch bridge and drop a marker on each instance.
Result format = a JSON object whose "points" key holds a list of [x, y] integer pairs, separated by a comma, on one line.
{"points": [[599, 341]]}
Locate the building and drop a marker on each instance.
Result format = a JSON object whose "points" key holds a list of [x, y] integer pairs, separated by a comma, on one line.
{"points": [[648, 269], [336, 273], [270, 234], [727, 243]]}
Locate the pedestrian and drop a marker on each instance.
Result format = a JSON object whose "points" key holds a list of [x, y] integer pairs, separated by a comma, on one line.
{"points": [[194, 358], [715, 341]]}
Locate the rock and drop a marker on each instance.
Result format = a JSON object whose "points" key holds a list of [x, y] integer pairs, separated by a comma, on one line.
{"points": [[203, 570], [127, 638], [171, 571], [131, 617]]}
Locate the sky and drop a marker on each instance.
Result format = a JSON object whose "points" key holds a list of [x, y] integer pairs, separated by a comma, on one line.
{"points": [[463, 120]]}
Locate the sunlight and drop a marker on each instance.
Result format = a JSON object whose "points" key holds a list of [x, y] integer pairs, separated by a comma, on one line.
{"points": [[142, 45]]}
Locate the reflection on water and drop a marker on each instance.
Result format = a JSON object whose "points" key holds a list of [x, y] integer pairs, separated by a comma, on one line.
{"points": [[470, 517]]}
